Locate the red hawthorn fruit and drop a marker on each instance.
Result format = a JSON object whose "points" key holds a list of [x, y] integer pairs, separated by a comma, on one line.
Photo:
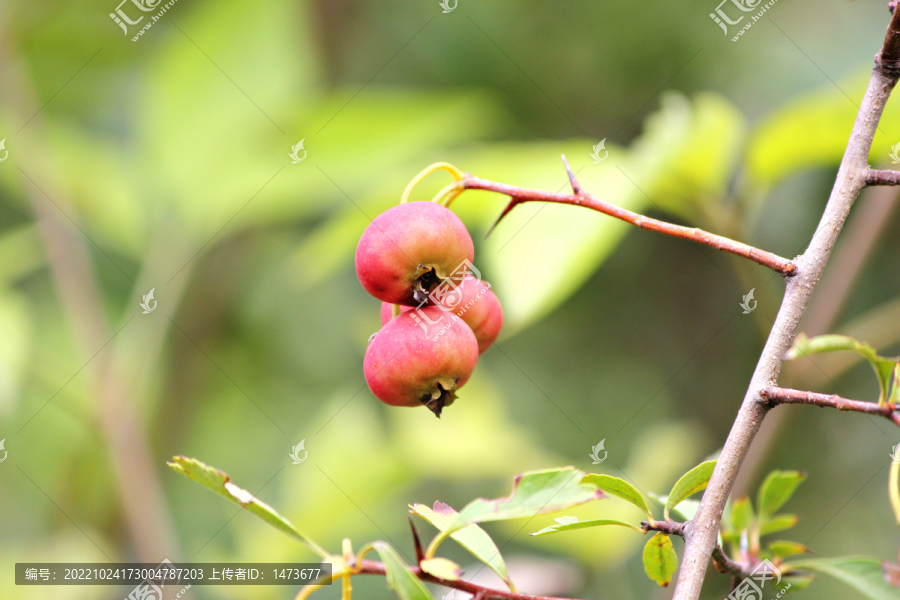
{"points": [[421, 357], [478, 307], [410, 248]]}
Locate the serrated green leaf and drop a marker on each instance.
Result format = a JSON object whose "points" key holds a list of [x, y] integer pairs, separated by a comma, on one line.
{"points": [[778, 523], [690, 483], [660, 560], [784, 549], [884, 367], [619, 487], [399, 578], [473, 538], [742, 515], [571, 523], [534, 493], [863, 574], [775, 490], [220, 482], [441, 568]]}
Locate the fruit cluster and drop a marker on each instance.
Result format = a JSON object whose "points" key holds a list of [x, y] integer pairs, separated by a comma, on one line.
{"points": [[436, 315]]}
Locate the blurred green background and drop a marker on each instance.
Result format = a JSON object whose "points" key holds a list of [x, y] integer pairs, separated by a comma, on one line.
{"points": [[163, 163]]}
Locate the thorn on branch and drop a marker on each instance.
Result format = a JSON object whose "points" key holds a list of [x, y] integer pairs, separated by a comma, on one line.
{"points": [[512, 204], [420, 553], [576, 187]]}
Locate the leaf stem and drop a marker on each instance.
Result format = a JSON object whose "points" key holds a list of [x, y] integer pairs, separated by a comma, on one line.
{"points": [[439, 166]]}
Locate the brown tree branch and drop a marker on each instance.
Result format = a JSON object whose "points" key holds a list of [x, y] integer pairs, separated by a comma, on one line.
{"points": [[777, 395], [700, 539], [880, 177], [581, 198], [369, 567]]}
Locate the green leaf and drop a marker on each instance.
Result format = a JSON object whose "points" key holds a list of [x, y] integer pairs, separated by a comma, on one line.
{"points": [[884, 367], [690, 483], [778, 523], [399, 578], [619, 487], [777, 489], [894, 396], [534, 493], [570, 523], [784, 549], [686, 509], [219, 482], [742, 515], [441, 568], [660, 560], [473, 538], [863, 574]]}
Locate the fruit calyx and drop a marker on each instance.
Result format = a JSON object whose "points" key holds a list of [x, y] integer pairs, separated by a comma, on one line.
{"points": [[437, 400], [425, 282]]}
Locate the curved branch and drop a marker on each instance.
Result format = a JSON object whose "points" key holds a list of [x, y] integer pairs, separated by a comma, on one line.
{"points": [[581, 198], [851, 179], [777, 395], [369, 567]]}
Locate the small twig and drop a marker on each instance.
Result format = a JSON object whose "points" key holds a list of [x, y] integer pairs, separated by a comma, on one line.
{"points": [[669, 527], [777, 395], [582, 198], [723, 563], [876, 177]]}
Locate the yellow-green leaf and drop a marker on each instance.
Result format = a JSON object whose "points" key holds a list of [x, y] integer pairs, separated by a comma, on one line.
{"points": [[570, 523], [441, 568], [775, 490], [660, 560], [220, 482], [399, 577], [619, 487], [690, 483]]}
